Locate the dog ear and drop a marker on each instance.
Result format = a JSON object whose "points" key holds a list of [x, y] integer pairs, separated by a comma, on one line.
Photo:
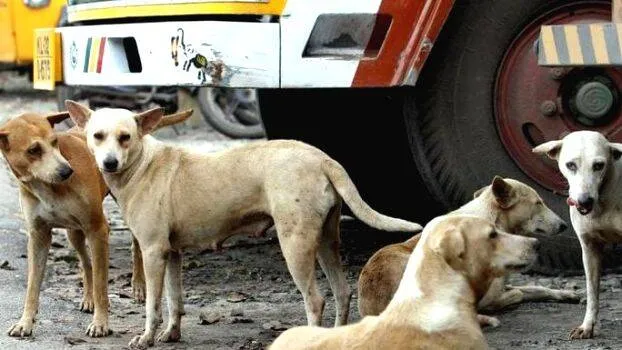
{"points": [[148, 120], [56, 118], [505, 194], [79, 113], [174, 118], [450, 245], [616, 150], [479, 192], [551, 148], [4, 140]]}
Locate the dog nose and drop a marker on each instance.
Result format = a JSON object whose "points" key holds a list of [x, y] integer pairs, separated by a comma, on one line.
{"points": [[110, 164], [65, 172], [586, 201]]}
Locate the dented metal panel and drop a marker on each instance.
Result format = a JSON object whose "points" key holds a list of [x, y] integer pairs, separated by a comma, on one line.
{"points": [[230, 54]]}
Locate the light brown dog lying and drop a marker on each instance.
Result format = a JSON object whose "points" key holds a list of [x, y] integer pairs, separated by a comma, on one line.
{"points": [[60, 186], [514, 207], [173, 198], [456, 260]]}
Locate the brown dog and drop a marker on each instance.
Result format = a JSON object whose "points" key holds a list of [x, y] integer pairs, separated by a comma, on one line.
{"points": [[454, 264], [60, 186], [513, 207]]}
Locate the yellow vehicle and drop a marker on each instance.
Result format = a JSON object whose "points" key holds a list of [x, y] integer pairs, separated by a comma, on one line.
{"points": [[18, 20]]}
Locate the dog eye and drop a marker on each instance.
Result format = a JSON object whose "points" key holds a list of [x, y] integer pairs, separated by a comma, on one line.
{"points": [[571, 166], [493, 235], [54, 142], [98, 136], [124, 137], [34, 150], [598, 166]]}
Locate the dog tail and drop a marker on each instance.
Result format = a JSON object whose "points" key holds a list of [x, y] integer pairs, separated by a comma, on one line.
{"points": [[346, 189]]}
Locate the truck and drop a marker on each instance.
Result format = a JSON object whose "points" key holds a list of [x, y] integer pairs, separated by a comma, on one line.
{"points": [[424, 101], [18, 19]]}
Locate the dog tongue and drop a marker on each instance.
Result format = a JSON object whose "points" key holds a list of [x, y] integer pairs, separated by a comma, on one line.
{"points": [[571, 202]]}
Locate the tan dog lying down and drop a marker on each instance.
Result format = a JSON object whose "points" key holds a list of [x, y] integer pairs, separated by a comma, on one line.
{"points": [[514, 207], [173, 198], [60, 186], [451, 268]]}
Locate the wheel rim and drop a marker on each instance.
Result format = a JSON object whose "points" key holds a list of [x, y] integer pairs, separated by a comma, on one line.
{"points": [[534, 104], [236, 105]]}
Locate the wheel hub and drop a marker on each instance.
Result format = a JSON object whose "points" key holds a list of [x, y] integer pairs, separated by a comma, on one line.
{"points": [[594, 101]]}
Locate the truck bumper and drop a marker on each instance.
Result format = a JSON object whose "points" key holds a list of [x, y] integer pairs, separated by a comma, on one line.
{"points": [[596, 44], [230, 54]]}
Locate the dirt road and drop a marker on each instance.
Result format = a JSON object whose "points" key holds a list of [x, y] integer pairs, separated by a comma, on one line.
{"points": [[243, 291]]}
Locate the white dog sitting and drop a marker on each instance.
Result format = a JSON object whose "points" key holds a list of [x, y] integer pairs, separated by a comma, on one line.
{"points": [[591, 166]]}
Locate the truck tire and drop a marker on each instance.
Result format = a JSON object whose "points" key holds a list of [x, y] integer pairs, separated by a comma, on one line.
{"points": [[453, 115], [230, 124]]}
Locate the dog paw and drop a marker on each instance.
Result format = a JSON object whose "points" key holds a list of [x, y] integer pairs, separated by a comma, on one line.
{"points": [[139, 291], [571, 296], [488, 321], [170, 335], [141, 342], [98, 329], [21, 329], [87, 305], [582, 332]]}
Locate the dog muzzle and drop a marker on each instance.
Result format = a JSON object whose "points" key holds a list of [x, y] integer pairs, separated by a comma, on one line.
{"points": [[582, 210]]}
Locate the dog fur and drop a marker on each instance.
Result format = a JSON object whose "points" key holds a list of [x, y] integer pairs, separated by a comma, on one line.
{"points": [[173, 198], [591, 165], [60, 186], [451, 268], [513, 207]]}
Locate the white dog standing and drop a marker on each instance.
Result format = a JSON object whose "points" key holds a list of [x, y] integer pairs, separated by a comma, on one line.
{"points": [[592, 168], [173, 199]]}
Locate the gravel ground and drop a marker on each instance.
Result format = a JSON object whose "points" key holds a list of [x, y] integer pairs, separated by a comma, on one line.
{"points": [[244, 291]]}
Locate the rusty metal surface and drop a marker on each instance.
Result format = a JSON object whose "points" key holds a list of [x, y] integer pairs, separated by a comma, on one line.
{"points": [[414, 28]]}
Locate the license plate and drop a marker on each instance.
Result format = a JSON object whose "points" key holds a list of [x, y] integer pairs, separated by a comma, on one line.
{"points": [[47, 64]]}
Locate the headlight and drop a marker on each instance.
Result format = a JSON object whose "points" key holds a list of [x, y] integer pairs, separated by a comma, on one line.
{"points": [[36, 3]]}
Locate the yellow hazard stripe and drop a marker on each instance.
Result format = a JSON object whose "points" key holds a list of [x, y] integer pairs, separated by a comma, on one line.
{"points": [[574, 44], [580, 44], [273, 7], [599, 44], [94, 54], [548, 43]]}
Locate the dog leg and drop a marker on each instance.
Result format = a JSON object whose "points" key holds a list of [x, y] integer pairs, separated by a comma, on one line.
{"points": [[490, 300], [154, 262], [76, 239], [330, 261], [98, 242], [507, 298], [591, 263], [174, 298], [298, 244], [539, 293], [138, 274], [39, 241]]}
